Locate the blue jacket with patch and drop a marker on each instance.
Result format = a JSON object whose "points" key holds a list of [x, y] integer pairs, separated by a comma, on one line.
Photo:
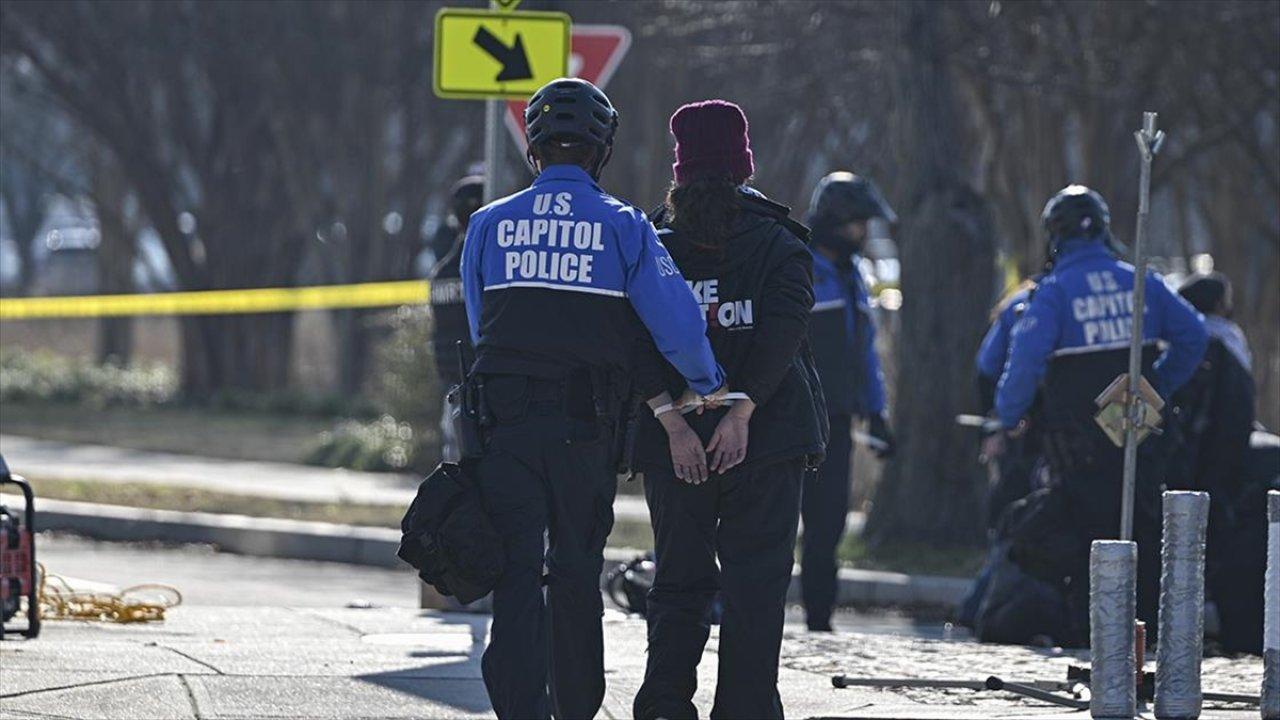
{"points": [[994, 350], [842, 334], [562, 276], [1085, 305]]}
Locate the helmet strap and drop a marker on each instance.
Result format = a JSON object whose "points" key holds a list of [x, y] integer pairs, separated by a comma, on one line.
{"points": [[604, 160], [528, 157]]}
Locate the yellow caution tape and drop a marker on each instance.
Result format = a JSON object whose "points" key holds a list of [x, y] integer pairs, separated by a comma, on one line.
{"points": [[220, 302]]}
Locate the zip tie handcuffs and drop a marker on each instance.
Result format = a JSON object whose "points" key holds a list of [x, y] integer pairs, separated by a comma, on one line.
{"points": [[727, 399]]}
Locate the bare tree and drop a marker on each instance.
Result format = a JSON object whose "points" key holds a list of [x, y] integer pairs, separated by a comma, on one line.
{"points": [[33, 159], [930, 493]]}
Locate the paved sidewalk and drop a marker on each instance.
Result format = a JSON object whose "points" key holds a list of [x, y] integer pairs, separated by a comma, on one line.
{"points": [[265, 638], [300, 663]]}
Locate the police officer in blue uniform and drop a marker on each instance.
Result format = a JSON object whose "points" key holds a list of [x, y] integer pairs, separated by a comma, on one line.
{"points": [[842, 333], [994, 349], [1070, 344], [560, 281], [1014, 463]]}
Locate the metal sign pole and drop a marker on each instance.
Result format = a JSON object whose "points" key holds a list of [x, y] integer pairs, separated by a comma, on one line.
{"points": [[1149, 141], [492, 118]]}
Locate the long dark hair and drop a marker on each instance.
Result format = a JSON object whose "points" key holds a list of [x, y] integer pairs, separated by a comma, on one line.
{"points": [[704, 210]]}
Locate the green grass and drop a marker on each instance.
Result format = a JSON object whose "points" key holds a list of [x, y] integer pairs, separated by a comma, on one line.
{"points": [[196, 431], [912, 559], [185, 499]]}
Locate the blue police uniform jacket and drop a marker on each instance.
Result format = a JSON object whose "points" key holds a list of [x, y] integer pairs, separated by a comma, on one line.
{"points": [[1085, 305], [994, 350], [562, 276], [843, 337]]}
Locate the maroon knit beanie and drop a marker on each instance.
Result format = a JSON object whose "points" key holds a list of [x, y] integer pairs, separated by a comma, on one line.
{"points": [[711, 140]]}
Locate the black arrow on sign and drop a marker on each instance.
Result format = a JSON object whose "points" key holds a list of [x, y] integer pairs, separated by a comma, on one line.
{"points": [[515, 62]]}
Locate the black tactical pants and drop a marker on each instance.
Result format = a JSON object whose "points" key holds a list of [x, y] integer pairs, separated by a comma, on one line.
{"points": [[825, 508], [545, 470], [747, 520], [1091, 471]]}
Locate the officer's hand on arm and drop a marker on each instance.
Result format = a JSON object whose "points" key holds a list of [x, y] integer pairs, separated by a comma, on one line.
{"points": [[878, 428], [728, 446], [668, 310], [688, 458]]}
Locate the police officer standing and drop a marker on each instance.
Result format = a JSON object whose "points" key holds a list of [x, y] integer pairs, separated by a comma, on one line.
{"points": [[842, 334], [560, 280], [448, 313], [1070, 344]]}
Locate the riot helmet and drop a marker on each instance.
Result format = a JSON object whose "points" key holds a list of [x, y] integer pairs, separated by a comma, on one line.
{"points": [[465, 198], [1076, 212], [842, 198]]}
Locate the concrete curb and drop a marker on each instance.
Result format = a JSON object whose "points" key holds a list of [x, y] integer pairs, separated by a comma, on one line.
{"points": [[265, 537], [331, 542]]}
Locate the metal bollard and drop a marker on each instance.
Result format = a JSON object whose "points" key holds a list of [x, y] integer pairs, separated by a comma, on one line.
{"points": [[1178, 694], [1271, 621], [1113, 569]]}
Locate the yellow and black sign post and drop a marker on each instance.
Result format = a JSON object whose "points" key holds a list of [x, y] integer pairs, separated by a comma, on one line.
{"points": [[485, 54], [497, 54]]}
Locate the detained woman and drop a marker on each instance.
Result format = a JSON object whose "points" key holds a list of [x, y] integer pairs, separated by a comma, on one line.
{"points": [[723, 475]]}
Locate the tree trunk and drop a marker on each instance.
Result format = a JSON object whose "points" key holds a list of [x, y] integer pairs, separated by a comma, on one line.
{"points": [[115, 256], [237, 354], [931, 492], [353, 350]]}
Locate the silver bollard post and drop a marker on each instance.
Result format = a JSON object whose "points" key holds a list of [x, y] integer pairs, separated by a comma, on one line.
{"points": [[1113, 570], [1271, 621], [1178, 694]]}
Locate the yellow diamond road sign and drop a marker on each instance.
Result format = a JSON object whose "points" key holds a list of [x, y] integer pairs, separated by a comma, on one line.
{"points": [[482, 54]]}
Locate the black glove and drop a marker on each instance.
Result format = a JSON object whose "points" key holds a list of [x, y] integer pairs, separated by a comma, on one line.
{"points": [[878, 428]]}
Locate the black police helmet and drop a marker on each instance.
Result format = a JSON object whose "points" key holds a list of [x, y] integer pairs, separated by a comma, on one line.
{"points": [[466, 197], [843, 197], [1076, 211], [570, 111]]}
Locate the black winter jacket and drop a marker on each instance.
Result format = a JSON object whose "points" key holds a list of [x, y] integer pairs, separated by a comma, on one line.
{"points": [[1215, 416], [758, 299]]}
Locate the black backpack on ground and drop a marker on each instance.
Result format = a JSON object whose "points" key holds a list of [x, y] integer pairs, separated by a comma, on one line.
{"points": [[448, 538]]}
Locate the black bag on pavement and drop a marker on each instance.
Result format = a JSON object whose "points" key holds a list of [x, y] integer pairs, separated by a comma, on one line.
{"points": [[1018, 608], [448, 537]]}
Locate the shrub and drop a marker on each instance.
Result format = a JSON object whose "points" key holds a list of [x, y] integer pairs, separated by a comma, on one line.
{"points": [[406, 389], [45, 377], [405, 384], [381, 445]]}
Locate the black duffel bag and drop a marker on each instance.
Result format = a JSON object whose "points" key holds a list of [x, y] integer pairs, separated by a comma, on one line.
{"points": [[448, 537]]}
